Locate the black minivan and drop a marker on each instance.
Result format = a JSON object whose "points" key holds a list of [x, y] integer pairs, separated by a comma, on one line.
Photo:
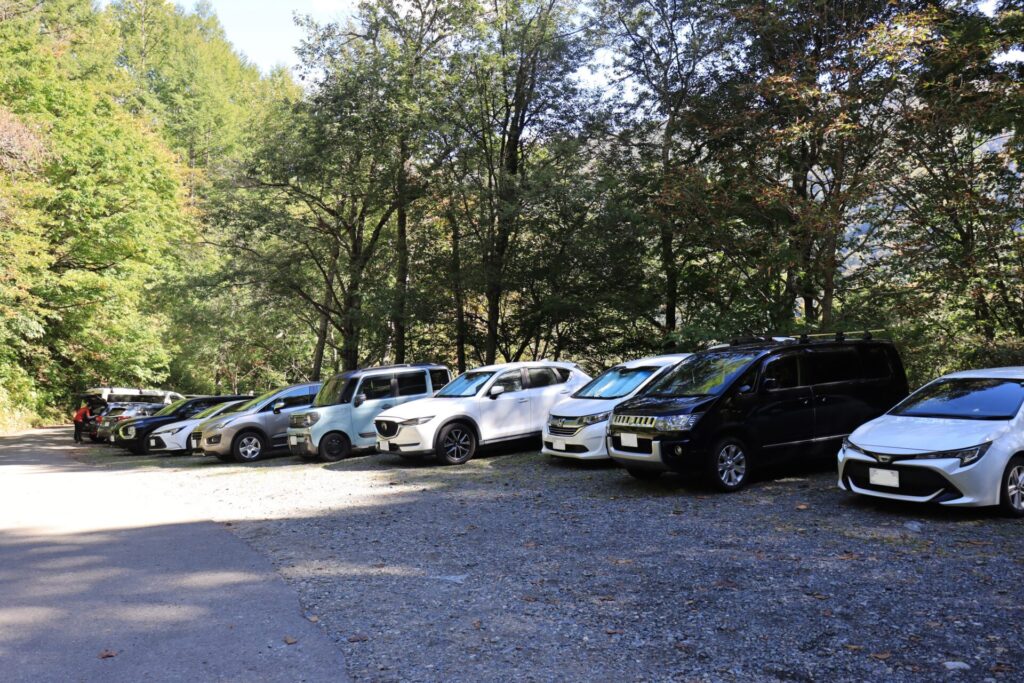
{"points": [[728, 410]]}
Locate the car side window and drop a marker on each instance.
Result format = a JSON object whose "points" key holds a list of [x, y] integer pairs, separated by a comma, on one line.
{"points": [[562, 374], [542, 377], [195, 408], [834, 365], [296, 397], [511, 380], [376, 387], [412, 383], [439, 378], [784, 371]]}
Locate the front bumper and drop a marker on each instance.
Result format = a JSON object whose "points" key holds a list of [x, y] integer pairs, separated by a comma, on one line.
{"points": [[300, 442], [167, 442], [586, 443], [661, 451], [407, 440], [942, 481], [216, 443]]}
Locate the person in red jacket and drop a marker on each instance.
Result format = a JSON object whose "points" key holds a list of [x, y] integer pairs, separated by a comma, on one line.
{"points": [[81, 415]]}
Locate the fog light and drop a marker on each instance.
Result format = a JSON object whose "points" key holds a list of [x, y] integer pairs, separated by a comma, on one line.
{"points": [[678, 450]]}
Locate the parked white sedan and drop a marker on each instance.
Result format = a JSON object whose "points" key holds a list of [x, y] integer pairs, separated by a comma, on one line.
{"points": [[174, 437], [957, 441]]}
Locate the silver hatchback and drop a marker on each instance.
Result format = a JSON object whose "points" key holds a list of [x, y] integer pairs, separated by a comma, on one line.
{"points": [[257, 428]]}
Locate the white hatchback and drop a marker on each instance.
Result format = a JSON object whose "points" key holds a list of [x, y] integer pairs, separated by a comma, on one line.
{"points": [[483, 406], [577, 426], [957, 441]]}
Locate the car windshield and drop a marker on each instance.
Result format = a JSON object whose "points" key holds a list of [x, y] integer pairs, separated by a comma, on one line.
{"points": [[705, 374], [216, 409], [256, 401], [464, 385], [615, 382], [169, 409], [333, 392], [965, 399]]}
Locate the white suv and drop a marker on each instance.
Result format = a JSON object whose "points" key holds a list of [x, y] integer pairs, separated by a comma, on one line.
{"points": [[483, 406], [577, 426], [958, 441]]}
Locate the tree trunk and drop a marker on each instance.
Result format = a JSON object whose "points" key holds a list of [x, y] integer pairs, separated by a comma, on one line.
{"points": [[398, 319], [325, 316], [351, 324], [668, 252], [460, 306], [493, 294]]}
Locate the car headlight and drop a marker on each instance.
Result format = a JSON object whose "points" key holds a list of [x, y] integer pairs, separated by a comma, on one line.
{"points": [[310, 419], [966, 456], [219, 426], [676, 423], [416, 421], [588, 420], [850, 446], [173, 430]]}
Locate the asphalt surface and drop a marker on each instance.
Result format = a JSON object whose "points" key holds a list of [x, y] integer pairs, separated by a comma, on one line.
{"points": [[105, 577]]}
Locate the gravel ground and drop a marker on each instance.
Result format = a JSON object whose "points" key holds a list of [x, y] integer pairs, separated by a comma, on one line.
{"points": [[514, 567]]}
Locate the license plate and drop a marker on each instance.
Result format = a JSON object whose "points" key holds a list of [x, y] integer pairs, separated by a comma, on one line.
{"points": [[152, 443], [382, 445], [628, 440], [558, 445], [884, 477], [293, 440]]}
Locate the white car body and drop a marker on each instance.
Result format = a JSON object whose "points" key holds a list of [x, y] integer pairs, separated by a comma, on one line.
{"points": [[573, 429], [895, 443], [507, 416], [175, 436]]}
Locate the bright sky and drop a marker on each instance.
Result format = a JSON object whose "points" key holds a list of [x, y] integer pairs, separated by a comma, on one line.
{"points": [[264, 30]]}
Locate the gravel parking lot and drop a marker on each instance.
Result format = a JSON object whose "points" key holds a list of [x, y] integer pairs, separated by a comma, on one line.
{"points": [[514, 567]]}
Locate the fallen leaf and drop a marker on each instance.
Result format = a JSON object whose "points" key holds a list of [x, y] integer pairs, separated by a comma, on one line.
{"points": [[530, 544], [1001, 668], [802, 506], [847, 556], [379, 565], [477, 624], [607, 598], [529, 598], [619, 561], [107, 654], [358, 638], [314, 618], [614, 631], [288, 640], [854, 648], [881, 656]]}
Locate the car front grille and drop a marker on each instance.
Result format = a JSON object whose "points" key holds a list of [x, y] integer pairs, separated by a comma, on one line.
{"points": [[914, 481], [563, 431], [386, 428], [646, 421]]}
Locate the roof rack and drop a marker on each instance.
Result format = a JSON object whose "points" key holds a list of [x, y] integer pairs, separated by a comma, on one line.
{"points": [[839, 336], [804, 338]]}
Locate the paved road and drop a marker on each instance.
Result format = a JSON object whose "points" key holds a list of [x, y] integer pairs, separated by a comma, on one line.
{"points": [[105, 577]]}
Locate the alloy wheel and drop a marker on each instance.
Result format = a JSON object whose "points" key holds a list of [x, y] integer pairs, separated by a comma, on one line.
{"points": [[1015, 487], [732, 465], [457, 444], [250, 447]]}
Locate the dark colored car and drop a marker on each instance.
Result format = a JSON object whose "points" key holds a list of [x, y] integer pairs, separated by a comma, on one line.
{"points": [[133, 434], [731, 409]]}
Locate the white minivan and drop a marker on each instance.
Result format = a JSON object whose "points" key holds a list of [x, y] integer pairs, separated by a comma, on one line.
{"points": [[577, 426]]}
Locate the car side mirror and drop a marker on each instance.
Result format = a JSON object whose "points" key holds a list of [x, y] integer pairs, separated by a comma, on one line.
{"points": [[278, 407], [496, 391], [745, 389], [359, 400], [770, 383]]}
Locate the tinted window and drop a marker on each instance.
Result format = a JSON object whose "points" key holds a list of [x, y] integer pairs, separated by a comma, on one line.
{"points": [[702, 374], [171, 409], [257, 401], [834, 365], [438, 378], [563, 374], [412, 383], [511, 380], [967, 399], [195, 408], [615, 383], [296, 397], [376, 387], [467, 384], [542, 377], [784, 370], [875, 362]]}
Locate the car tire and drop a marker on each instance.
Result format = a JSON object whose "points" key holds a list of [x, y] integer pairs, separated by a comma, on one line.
{"points": [[642, 473], [456, 444], [728, 466], [1011, 488], [249, 447], [334, 446]]}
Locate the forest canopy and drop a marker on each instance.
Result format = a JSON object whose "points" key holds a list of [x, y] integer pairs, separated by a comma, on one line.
{"points": [[471, 181]]}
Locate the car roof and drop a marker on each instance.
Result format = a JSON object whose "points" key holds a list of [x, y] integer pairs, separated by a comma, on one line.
{"points": [[660, 361], [361, 372], [988, 373], [526, 364]]}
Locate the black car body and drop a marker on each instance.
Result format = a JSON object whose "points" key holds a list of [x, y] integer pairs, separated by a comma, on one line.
{"points": [[730, 409], [133, 434]]}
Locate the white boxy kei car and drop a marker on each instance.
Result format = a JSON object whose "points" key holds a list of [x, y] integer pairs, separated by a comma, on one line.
{"points": [[577, 426], [483, 406], [957, 441]]}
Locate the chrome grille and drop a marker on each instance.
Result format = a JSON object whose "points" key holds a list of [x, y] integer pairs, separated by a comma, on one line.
{"points": [[562, 431], [634, 421], [564, 426]]}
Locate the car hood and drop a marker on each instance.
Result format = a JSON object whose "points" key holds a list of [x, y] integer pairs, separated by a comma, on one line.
{"points": [[206, 424], [423, 407], [899, 433], [578, 407], [189, 423], [648, 405]]}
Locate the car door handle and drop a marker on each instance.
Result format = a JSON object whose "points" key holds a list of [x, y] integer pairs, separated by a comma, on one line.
{"points": [[524, 400], [386, 406]]}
